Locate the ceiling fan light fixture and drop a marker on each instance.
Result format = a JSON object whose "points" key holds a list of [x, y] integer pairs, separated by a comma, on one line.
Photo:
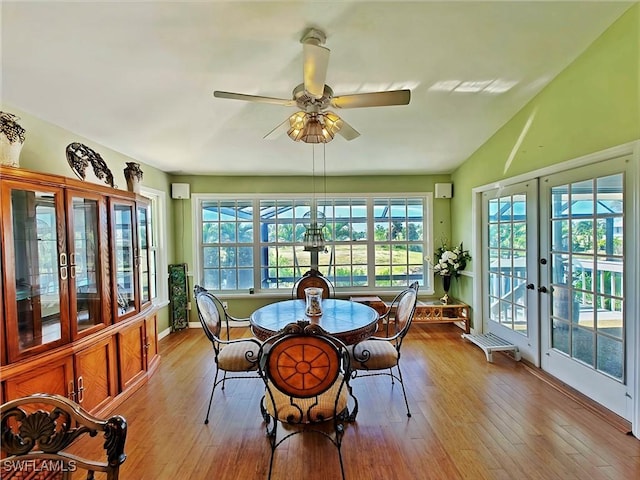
{"points": [[313, 127], [297, 123], [332, 123], [313, 124], [314, 131]]}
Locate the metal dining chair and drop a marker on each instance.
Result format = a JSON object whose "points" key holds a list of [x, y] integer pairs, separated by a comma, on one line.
{"points": [[306, 373], [239, 357], [379, 355]]}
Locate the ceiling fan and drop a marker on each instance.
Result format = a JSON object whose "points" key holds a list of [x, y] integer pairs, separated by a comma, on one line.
{"points": [[314, 123]]}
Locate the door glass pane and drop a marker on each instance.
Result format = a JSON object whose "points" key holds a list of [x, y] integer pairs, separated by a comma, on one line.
{"points": [[124, 258], [609, 350], [560, 335], [507, 253], [587, 272], [583, 342], [85, 262], [37, 267]]}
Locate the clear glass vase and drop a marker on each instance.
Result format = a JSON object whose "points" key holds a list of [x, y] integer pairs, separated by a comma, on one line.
{"points": [[313, 296]]}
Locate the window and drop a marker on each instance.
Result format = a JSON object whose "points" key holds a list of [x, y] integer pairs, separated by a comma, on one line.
{"points": [[156, 214], [372, 242], [227, 244]]}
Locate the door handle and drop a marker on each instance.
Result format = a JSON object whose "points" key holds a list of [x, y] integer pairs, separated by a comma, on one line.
{"points": [[80, 389], [543, 289], [530, 286], [72, 392]]}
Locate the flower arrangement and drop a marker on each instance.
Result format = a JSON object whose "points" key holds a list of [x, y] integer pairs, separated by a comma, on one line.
{"points": [[450, 262]]}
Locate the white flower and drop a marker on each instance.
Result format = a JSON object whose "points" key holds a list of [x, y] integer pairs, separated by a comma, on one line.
{"points": [[450, 262]]}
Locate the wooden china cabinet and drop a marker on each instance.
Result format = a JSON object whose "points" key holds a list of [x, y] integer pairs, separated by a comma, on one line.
{"points": [[76, 311]]}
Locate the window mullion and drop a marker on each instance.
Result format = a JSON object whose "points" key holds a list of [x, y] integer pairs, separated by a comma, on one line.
{"points": [[371, 244]]}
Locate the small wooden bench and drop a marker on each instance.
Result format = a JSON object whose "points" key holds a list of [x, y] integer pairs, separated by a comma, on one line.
{"points": [[490, 343]]}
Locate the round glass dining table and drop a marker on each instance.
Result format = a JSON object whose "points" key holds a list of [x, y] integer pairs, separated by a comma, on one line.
{"points": [[349, 321]]}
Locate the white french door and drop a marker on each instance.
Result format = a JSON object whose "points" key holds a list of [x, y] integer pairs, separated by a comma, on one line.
{"points": [[583, 324], [510, 255]]}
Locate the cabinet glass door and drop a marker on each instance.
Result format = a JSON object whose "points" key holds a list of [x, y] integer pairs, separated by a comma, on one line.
{"points": [[37, 260], [124, 258], [143, 250], [85, 271]]}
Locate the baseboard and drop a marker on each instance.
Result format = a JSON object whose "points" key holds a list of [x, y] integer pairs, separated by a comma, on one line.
{"points": [[163, 333], [610, 417]]}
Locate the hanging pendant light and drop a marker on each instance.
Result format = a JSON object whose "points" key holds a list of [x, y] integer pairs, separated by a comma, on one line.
{"points": [[314, 221], [313, 239]]}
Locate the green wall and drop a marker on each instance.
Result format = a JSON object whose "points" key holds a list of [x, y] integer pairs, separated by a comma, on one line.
{"points": [[45, 151], [592, 105]]}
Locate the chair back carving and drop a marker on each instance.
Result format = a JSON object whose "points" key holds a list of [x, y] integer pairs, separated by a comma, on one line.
{"points": [[313, 278], [38, 432]]}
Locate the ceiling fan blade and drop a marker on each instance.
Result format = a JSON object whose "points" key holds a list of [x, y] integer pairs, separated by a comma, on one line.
{"points": [[254, 98], [314, 68], [375, 99], [347, 131]]}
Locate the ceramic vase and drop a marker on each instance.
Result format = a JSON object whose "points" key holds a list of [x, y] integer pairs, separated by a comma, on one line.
{"points": [[11, 139], [133, 175]]}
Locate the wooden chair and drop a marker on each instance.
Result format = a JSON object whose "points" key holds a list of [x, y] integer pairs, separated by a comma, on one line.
{"points": [[236, 356], [37, 436], [313, 278], [379, 355], [306, 373]]}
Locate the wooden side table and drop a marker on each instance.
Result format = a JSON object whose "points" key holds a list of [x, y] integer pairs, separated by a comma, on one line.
{"points": [[428, 311], [434, 311]]}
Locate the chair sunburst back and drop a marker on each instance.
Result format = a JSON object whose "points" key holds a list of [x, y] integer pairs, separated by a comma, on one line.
{"points": [[306, 373]]}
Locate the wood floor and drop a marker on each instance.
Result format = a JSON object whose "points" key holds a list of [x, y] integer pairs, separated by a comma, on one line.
{"points": [[471, 420]]}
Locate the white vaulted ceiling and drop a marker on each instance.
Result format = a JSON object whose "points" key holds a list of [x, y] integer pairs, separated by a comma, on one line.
{"points": [[138, 77]]}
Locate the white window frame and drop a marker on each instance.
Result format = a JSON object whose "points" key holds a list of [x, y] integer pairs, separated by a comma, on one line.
{"points": [[158, 201], [427, 197]]}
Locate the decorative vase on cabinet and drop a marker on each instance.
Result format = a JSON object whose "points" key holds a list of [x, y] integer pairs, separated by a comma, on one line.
{"points": [[11, 139], [133, 175]]}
